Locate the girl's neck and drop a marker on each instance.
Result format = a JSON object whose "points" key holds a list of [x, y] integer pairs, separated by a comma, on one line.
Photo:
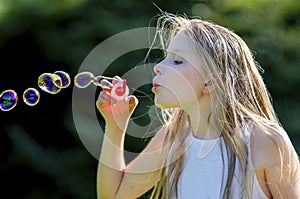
{"points": [[204, 129], [203, 122]]}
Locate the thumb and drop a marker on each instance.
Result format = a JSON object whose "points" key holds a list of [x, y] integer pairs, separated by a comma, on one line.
{"points": [[132, 101]]}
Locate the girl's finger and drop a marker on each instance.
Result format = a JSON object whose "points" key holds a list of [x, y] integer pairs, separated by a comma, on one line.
{"points": [[104, 95], [116, 79], [100, 102], [106, 84], [103, 101]]}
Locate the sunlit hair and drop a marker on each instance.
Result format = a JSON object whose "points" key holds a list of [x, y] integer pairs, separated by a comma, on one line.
{"points": [[241, 98]]}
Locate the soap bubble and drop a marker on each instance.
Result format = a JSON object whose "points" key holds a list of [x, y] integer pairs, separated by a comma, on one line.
{"points": [[31, 96], [83, 79], [97, 80], [65, 78], [8, 100], [50, 83]]}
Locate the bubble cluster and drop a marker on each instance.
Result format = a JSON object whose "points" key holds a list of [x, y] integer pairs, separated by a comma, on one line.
{"points": [[53, 83], [31, 96], [50, 83], [8, 100]]}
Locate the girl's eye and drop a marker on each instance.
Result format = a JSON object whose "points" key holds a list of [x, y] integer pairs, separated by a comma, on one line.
{"points": [[177, 62], [177, 59]]}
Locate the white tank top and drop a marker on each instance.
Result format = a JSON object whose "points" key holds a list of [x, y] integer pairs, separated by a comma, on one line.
{"points": [[204, 175]]}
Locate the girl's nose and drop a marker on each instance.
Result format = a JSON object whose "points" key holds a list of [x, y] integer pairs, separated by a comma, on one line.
{"points": [[158, 69]]}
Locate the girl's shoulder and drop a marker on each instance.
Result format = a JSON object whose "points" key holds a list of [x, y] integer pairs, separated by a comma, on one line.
{"points": [[268, 144], [274, 155], [273, 152], [157, 141]]}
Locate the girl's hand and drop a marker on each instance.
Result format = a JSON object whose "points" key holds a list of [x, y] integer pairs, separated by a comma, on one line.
{"points": [[116, 112]]}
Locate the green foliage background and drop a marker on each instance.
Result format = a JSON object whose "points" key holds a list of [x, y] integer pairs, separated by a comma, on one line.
{"points": [[41, 154]]}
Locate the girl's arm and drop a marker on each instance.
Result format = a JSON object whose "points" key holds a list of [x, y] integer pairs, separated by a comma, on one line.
{"points": [[283, 182], [114, 178], [282, 175]]}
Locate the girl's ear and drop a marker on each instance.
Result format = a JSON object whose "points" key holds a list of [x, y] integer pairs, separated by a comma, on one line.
{"points": [[208, 87]]}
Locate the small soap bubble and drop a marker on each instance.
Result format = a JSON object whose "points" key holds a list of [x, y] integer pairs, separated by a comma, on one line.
{"points": [[65, 78], [83, 79], [97, 80], [8, 100], [50, 83], [31, 96]]}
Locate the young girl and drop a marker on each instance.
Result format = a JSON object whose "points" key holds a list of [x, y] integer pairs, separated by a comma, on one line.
{"points": [[221, 138]]}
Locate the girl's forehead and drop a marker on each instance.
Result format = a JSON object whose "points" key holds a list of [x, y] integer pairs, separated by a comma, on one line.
{"points": [[181, 44], [184, 46]]}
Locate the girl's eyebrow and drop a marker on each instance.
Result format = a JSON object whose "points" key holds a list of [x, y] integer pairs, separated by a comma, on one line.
{"points": [[175, 51]]}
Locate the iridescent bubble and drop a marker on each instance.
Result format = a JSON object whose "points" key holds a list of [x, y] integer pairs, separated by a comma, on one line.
{"points": [[31, 96], [8, 100], [65, 78], [97, 80], [83, 79], [50, 83]]}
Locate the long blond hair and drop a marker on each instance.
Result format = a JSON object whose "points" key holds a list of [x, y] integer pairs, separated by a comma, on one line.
{"points": [[241, 97]]}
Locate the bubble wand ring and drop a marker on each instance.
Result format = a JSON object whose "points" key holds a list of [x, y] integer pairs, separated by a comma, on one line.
{"points": [[120, 90]]}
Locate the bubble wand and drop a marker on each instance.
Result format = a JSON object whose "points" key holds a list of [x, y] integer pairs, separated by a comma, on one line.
{"points": [[119, 90]]}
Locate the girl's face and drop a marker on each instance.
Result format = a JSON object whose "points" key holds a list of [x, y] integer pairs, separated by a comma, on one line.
{"points": [[180, 78]]}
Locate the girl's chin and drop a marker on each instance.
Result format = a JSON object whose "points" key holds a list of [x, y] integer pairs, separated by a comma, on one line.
{"points": [[164, 103]]}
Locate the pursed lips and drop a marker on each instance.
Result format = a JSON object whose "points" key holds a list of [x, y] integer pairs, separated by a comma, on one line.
{"points": [[155, 86]]}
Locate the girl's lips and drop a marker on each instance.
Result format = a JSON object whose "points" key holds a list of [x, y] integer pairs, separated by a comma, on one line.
{"points": [[155, 86]]}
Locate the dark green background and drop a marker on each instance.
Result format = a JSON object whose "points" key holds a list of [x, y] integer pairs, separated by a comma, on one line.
{"points": [[41, 154]]}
